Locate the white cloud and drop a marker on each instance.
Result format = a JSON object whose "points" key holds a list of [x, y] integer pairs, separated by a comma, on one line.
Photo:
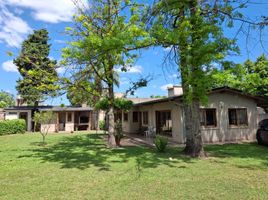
{"points": [[12, 28], [60, 70], [9, 66], [165, 87], [136, 69], [52, 11], [167, 49], [173, 76], [60, 41]]}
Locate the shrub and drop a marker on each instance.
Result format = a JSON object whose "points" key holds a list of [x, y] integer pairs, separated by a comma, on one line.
{"points": [[12, 126], [118, 132], [102, 125], [160, 143]]}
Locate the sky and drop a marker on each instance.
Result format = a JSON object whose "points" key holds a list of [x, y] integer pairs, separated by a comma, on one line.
{"points": [[18, 18]]}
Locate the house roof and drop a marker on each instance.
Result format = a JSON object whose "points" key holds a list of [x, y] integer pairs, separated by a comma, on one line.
{"points": [[70, 108], [50, 108], [215, 90]]}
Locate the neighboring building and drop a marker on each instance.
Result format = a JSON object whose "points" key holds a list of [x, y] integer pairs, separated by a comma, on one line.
{"points": [[229, 116], [68, 118]]}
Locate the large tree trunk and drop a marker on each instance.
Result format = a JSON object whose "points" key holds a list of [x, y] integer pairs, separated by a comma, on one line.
{"points": [[194, 143]]}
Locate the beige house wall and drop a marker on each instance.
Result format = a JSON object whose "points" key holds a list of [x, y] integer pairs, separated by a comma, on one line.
{"points": [[51, 128], [69, 125], [223, 132], [2, 114], [176, 117], [10, 116]]}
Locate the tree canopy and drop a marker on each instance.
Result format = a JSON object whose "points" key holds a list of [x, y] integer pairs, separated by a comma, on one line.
{"points": [[103, 40], [6, 99], [38, 71], [250, 77]]}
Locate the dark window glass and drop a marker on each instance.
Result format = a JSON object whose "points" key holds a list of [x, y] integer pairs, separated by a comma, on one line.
{"points": [[118, 116], [135, 117], [69, 117], [125, 117], [145, 117], [238, 116], [84, 119], [208, 117]]}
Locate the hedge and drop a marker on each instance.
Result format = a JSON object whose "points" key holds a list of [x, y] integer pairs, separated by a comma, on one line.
{"points": [[12, 126]]}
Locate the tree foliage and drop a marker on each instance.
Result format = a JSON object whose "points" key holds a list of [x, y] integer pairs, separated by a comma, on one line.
{"points": [[6, 99], [38, 71], [46, 119], [250, 77], [119, 104], [104, 37]]}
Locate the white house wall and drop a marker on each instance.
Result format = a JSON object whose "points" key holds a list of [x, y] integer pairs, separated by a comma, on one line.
{"points": [[176, 117], [10, 116], [224, 132]]}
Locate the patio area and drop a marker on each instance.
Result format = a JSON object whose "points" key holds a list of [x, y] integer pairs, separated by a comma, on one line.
{"points": [[133, 139]]}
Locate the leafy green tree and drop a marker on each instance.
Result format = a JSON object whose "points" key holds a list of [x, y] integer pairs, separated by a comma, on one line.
{"points": [[104, 39], [6, 99], [250, 77], [193, 31], [46, 119], [38, 71]]}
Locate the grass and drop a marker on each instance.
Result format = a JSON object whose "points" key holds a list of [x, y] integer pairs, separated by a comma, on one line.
{"points": [[79, 166]]}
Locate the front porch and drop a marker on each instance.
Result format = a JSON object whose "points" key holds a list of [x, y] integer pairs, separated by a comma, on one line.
{"points": [[141, 139], [74, 121]]}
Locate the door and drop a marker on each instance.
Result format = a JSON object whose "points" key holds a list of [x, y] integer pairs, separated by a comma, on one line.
{"points": [[62, 118], [163, 122], [24, 116]]}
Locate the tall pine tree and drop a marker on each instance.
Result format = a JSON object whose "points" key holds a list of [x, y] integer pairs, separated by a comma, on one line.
{"points": [[38, 71]]}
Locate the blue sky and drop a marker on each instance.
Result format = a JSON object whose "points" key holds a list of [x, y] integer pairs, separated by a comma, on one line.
{"points": [[19, 17]]}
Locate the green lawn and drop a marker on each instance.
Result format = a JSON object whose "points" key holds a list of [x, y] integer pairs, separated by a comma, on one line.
{"points": [[79, 166]]}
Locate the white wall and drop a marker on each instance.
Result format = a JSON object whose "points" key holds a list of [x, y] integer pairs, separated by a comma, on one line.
{"points": [[176, 117], [69, 125], [10, 116], [224, 132]]}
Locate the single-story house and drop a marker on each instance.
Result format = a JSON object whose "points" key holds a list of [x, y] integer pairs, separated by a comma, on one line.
{"points": [[230, 115], [68, 118]]}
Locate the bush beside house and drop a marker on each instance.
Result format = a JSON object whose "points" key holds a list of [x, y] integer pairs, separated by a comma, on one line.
{"points": [[12, 126]]}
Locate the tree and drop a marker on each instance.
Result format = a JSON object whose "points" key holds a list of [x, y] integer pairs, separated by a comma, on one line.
{"points": [[250, 77], [193, 31], [46, 119], [38, 71], [6, 99], [104, 36]]}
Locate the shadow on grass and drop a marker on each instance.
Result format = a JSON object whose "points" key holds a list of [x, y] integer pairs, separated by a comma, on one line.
{"points": [[252, 156], [83, 151]]}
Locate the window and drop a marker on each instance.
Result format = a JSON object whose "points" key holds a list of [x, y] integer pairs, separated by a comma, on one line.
{"points": [[118, 116], [84, 120], [145, 117], [163, 122], [12, 113], [125, 117], [208, 117], [238, 116], [135, 117], [69, 117]]}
